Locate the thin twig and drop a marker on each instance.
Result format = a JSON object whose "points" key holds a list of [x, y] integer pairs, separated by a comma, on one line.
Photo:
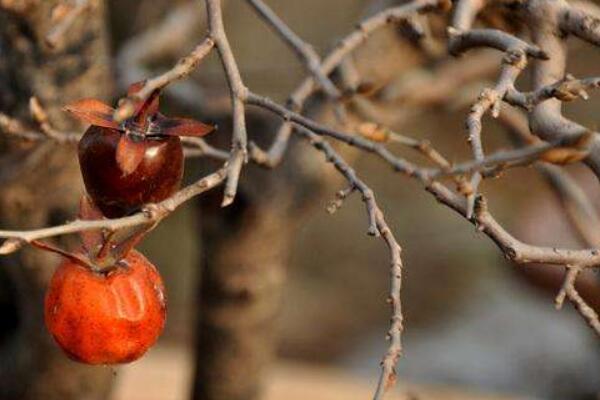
{"points": [[567, 89], [237, 90], [304, 51], [180, 70], [377, 227], [193, 147], [273, 156], [569, 291], [151, 214]]}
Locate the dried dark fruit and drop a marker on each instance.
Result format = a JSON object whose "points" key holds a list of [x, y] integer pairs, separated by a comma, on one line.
{"points": [[151, 173], [125, 166]]}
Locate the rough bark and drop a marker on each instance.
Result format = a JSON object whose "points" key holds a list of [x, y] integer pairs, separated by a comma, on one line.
{"points": [[40, 186], [243, 272], [244, 256]]}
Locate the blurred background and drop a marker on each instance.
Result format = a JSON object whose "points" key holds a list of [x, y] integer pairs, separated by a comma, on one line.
{"points": [[471, 322], [475, 327]]}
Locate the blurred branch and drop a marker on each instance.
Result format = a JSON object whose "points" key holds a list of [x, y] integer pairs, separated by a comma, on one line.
{"points": [[579, 208], [193, 147], [568, 291], [304, 51], [64, 15], [549, 20], [273, 156], [377, 227]]}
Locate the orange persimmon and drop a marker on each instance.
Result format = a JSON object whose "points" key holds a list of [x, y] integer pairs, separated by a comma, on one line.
{"points": [[109, 317]]}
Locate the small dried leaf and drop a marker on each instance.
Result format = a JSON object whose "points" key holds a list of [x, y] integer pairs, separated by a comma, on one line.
{"points": [[129, 154], [373, 131], [76, 258], [182, 127], [143, 109], [88, 210], [94, 112], [563, 155], [135, 87], [571, 154], [120, 250], [92, 240]]}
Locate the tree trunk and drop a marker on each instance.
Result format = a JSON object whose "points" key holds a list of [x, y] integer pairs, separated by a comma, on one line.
{"points": [[40, 186], [244, 255], [242, 275]]}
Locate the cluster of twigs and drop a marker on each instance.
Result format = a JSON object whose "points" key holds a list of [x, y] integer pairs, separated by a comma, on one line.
{"points": [[549, 137]]}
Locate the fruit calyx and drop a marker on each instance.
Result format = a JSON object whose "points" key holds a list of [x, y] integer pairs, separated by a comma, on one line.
{"points": [[146, 123], [101, 251]]}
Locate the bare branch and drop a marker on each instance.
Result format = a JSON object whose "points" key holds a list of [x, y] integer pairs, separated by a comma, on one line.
{"points": [[569, 291], [513, 248], [581, 24], [345, 46], [513, 63], [155, 44], [579, 208], [459, 42], [546, 119], [182, 68], [465, 13], [151, 214], [303, 50], [518, 157], [567, 89], [237, 91], [377, 227], [17, 129]]}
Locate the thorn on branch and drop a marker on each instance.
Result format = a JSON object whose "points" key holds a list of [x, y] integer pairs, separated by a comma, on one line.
{"points": [[335, 204]]}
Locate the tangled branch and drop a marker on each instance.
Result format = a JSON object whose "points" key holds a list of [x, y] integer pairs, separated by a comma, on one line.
{"points": [[548, 138]]}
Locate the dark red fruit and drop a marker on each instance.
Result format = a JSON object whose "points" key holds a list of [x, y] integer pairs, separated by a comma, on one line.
{"points": [[109, 317], [139, 161], [156, 176]]}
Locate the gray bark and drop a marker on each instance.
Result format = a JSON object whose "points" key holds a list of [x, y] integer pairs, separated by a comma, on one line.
{"points": [[40, 186]]}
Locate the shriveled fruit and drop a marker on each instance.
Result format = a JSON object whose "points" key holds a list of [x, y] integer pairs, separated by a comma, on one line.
{"points": [[109, 317]]}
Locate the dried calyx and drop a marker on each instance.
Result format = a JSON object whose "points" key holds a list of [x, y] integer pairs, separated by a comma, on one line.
{"points": [[101, 251]]}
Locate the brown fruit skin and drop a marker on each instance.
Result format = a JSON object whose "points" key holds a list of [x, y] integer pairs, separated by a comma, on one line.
{"points": [[116, 194], [111, 318]]}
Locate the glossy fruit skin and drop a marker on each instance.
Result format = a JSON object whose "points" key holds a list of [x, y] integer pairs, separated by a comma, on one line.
{"points": [[116, 194], [111, 318]]}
